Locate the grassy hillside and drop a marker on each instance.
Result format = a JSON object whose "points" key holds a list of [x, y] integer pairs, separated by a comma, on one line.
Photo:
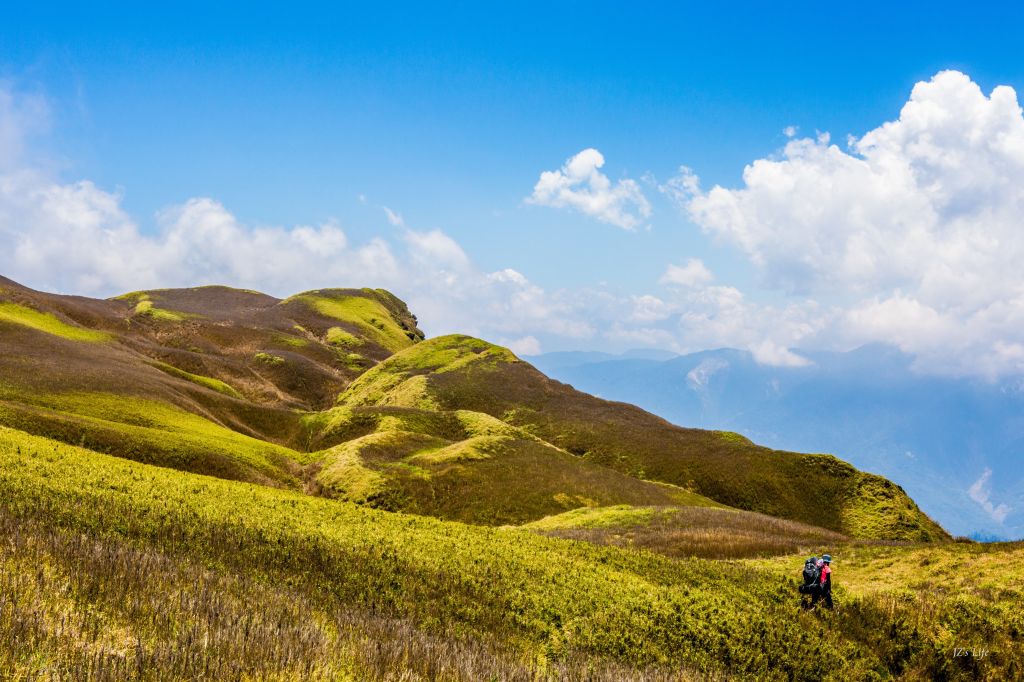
{"points": [[334, 393], [466, 466], [115, 570], [458, 372], [687, 531]]}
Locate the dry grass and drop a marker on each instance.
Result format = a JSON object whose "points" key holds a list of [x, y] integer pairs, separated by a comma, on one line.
{"points": [[73, 607]]}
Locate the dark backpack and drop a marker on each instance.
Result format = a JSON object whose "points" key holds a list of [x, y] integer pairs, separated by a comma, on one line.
{"points": [[812, 572]]}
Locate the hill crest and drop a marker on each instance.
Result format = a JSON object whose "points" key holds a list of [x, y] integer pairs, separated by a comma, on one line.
{"points": [[335, 391]]}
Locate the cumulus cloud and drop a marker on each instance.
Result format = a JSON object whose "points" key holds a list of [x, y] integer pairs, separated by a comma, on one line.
{"points": [[693, 274], [717, 316], [76, 237], [980, 493], [768, 352], [527, 345], [648, 308], [908, 235], [580, 185], [912, 231]]}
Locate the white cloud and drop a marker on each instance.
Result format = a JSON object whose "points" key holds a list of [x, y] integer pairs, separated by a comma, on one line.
{"points": [[393, 217], [528, 345], [721, 316], [22, 116], [913, 233], [979, 492], [910, 236], [75, 237], [648, 308], [700, 376], [580, 185], [693, 274], [768, 352]]}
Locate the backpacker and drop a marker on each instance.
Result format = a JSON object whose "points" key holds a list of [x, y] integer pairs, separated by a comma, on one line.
{"points": [[812, 575]]}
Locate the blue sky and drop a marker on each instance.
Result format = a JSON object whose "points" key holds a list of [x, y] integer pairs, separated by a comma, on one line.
{"points": [[447, 115]]}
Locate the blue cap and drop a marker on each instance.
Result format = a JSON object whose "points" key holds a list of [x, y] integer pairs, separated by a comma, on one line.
{"points": [[826, 558]]}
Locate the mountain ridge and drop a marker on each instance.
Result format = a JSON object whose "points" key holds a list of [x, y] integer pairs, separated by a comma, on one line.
{"points": [[242, 385], [936, 436]]}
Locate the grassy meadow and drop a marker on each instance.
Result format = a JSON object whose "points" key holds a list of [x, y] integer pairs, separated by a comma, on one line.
{"points": [[213, 483], [115, 569]]}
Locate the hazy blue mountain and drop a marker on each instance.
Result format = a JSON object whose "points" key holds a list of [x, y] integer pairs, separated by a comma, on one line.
{"points": [[935, 436]]}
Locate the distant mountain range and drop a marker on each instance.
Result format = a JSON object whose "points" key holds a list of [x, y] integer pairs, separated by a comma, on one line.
{"points": [[954, 444]]}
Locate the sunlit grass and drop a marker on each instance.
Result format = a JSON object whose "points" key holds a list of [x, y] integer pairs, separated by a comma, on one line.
{"points": [[119, 565], [208, 382], [367, 314], [45, 322]]}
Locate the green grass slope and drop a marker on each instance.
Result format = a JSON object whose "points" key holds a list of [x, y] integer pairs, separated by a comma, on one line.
{"points": [[467, 466], [245, 386], [117, 570], [176, 377], [459, 372], [688, 531]]}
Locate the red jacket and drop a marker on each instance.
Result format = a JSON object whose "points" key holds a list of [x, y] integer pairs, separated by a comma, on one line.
{"points": [[826, 571]]}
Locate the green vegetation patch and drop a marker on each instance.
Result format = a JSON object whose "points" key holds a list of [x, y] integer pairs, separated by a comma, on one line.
{"points": [[345, 476], [49, 324], [208, 382], [480, 424], [403, 379], [357, 470], [146, 308], [596, 517], [550, 601], [366, 313], [152, 432], [290, 341], [476, 448], [733, 437], [336, 336], [269, 359], [879, 508]]}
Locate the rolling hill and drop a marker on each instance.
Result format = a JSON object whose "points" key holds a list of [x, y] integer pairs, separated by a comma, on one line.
{"points": [[217, 484], [936, 436], [336, 393], [458, 372], [215, 380]]}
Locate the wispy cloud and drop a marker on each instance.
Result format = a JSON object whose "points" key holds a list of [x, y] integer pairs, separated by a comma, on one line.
{"points": [[980, 493], [393, 217]]}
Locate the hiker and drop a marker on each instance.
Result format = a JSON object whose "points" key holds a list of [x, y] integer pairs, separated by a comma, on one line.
{"points": [[817, 583], [812, 579], [824, 590]]}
